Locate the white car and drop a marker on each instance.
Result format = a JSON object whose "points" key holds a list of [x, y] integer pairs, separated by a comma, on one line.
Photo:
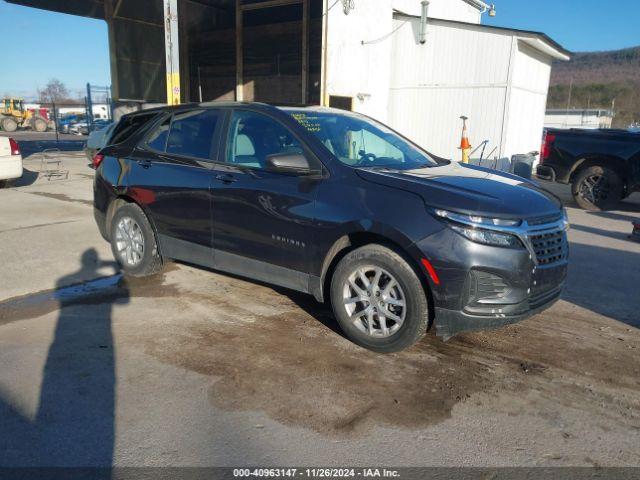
{"points": [[80, 128], [10, 160]]}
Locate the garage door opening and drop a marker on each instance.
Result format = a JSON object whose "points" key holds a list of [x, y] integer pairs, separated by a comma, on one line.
{"points": [[267, 51], [251, 50]]}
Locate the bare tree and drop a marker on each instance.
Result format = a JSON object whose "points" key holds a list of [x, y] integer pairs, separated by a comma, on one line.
{"points": [[54, 91]]}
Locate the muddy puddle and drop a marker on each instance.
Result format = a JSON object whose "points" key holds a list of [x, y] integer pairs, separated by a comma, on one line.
{"points": [[99, 291], [62, 197], [296, 367]]}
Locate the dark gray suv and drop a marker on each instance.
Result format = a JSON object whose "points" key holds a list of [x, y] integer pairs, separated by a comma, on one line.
{"points": [[333, 204]]}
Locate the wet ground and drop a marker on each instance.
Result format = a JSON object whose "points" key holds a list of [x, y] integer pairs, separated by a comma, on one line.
{"points": [[193, 367]]}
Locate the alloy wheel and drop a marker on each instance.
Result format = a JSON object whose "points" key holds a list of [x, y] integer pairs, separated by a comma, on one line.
{"points": [[374, 301], [594, 189], [129, 241]]}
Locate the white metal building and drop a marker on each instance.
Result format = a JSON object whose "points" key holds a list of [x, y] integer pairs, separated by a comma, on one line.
{"points": [[578, 118], [497, 77]]}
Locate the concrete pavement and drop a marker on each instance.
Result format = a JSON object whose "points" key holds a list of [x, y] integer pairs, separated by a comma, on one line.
{"points": [[197, 368]]}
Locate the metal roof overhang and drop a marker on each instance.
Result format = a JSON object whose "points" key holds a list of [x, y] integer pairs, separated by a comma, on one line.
{"points": [[539, 44], [83, 8], [538, 40], [95, 8]]}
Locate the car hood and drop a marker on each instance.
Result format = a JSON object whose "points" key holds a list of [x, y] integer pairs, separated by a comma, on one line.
{"points": [[469, 189]]}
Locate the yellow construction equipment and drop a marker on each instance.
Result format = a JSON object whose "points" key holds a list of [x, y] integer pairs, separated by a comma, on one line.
{"points": [[14, 115]]}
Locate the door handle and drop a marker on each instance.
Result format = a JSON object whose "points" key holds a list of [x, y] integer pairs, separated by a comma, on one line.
{"points": [[225, 178], [144, 163]]}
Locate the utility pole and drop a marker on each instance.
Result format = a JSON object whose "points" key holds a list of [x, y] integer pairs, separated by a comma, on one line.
{"points": [[55, 121], [89, 107], [566, 116]]}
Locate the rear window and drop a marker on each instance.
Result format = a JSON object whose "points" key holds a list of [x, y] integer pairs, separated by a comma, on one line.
{"points": [[189, 134], [127, 126]]}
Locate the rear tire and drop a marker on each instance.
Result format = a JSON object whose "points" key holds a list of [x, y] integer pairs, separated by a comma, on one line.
{"points": [[597, 188], [133, 242], [39, 125], [387, 310], [3, 183], [9, 124]]}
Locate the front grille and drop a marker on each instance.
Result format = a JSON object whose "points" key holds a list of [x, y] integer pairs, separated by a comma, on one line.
{"points": [[550, 247], [554, 217]]}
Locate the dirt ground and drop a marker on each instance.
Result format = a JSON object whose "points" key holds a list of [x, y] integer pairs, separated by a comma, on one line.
{"points": [[193, 367]]}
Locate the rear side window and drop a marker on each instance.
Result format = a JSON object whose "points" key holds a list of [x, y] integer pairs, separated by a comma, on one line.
{"points": [[189, 134], [127, 126], [192, 133]]}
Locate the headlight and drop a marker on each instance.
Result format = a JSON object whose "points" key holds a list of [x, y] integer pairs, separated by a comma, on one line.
{"points": [[488, 237], [477, 220], [565, 219], [470, 226]]}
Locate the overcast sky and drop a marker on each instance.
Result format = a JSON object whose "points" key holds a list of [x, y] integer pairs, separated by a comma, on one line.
{"points": [[75, 50]]}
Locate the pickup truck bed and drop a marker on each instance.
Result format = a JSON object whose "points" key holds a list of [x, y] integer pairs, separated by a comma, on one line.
{"points": [[602, 166]]}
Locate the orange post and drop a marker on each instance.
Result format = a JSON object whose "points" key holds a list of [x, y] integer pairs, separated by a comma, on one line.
{"points": [[465, 146]]}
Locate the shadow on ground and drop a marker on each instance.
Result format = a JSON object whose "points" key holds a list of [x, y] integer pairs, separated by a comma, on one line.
{"points": [[605, 281], [29, 177], [74, 424]]}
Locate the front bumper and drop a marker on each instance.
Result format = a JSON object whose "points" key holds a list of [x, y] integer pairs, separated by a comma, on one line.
{"points": [[451, 322], [482, 287]]}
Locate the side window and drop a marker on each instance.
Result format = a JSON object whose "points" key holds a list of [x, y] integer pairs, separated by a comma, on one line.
{"points": [[253, 137], [127, 126], [192, 133], [158, 137]]}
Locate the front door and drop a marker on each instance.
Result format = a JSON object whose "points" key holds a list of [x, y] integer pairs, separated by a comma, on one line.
{"points": [[262, 220], [171, 177]]}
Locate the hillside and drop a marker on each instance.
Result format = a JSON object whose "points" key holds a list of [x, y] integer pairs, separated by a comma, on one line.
{"points": [[598, 79]]}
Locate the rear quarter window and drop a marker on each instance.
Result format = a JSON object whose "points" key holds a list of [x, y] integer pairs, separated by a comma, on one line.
{"points": [[127, 126]]}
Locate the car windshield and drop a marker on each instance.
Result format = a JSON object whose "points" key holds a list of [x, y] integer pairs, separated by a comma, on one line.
{"points": [[361, 142]]}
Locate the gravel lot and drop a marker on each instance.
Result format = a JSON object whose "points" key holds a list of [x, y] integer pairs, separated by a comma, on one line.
{"points": [[197, 368]]}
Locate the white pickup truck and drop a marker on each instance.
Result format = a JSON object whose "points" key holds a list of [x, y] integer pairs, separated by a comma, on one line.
{"points": [[10, 160]]}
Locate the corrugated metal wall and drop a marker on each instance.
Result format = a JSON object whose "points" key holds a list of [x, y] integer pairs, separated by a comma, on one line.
{"points": [[460, 70], [528, 99], [486, 75], [360, 48]]}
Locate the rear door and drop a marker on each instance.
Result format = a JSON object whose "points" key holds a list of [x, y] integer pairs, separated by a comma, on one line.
{"points": [[171, 176]]}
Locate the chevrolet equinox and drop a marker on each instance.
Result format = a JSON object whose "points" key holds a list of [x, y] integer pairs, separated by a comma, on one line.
{"points": [[334, 204]]}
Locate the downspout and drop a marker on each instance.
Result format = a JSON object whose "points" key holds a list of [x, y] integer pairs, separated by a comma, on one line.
{"points": [[422, 34]]}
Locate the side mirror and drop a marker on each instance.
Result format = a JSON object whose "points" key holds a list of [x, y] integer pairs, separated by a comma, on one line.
{"points": [[288, 162]]}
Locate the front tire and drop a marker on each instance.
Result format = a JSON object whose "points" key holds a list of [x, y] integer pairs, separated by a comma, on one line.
{"points": [[9, 124], [379, 300], [597, 188], [133, 242]]}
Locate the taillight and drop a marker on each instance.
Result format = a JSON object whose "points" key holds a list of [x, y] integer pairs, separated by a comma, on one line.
{"points": [[13, 145], [547, 142], [97, 160]]}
